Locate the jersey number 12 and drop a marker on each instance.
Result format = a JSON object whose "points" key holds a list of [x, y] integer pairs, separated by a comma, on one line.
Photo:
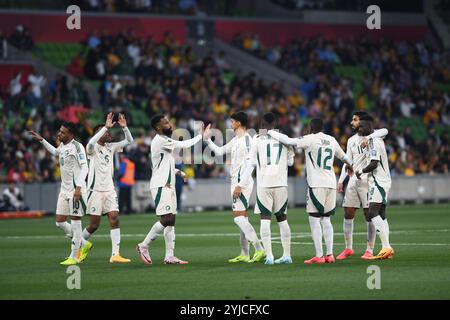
{"points": [[328, 153]]}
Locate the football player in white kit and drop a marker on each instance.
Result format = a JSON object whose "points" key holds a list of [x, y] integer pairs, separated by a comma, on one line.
{"points": [[271, 159], [379, 185], [239, 148], [356, 192], [162, 187], [102, 196], [320, 150], [72, 196]]}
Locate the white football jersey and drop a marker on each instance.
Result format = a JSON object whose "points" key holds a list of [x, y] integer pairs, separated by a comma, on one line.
{"points": [[238, 147], [272, 159], [163, 161], [320, 150], [381, 174], [358, 155], [101, 165], [71, 157]]}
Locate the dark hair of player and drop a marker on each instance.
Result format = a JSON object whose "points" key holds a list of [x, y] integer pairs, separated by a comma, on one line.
{"points": [[71, 127], [316, 125], [155, 120], [360, 114], [270, 117], [366, 117], [240, 116], [268, 121]]}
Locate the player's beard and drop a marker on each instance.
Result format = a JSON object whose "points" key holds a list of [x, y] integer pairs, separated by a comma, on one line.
{"points": [[167, 132], [355, 130]]}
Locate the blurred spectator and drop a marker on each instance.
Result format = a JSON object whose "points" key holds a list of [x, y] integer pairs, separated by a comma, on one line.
{"points": [[3, 46], [36, 82], [126, 183], [13, 199], [76, 66], [21, 38], [407, 96]]}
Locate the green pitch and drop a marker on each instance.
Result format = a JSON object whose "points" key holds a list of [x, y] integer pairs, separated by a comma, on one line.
{"points": [[32, 249]]}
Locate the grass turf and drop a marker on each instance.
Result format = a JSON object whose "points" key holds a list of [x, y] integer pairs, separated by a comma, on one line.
{"points": [[32, 249]]}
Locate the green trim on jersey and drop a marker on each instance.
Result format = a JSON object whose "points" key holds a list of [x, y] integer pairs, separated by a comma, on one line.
{"points": [[279, 153], [247, 143], [310, 157], [382, 191], [381, 162], [93, 181], [77, 145], [244, 201], [162, 157], [263, 209], [169, 179], [83, 204], [239, 175], [158, 197], [89, 195], [316, 202], [282, 210], [257, 158], [268, 154], [331, 213]]}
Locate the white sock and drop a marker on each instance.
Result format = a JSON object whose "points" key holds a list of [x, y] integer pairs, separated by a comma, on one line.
{"points": [[380, 226], [285, 232], [86, 234], [266, 237], [115, 241], [348, 233], [386, 228], [169, 238], [76, 238], [316, 233], [156, 230], [327, 233], [65, 227], [371, 235], [245, 250], [248, 230]]}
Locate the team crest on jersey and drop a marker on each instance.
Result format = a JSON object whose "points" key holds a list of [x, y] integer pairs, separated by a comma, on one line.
{"points": [[81, 156], [374, 153], [66, 153]]}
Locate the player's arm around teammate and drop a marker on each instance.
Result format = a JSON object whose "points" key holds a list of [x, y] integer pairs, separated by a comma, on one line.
{"points": [[379, 185]]}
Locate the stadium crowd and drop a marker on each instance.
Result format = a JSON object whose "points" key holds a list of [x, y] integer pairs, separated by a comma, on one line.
{"points": [[141, 74]]}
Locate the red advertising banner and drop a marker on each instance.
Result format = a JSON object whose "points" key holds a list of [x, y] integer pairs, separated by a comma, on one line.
{"points": [[274, 32], [52, 27]]}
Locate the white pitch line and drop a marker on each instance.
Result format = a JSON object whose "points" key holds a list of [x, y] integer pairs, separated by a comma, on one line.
{"points": [[394, 244], [275, 236]]}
